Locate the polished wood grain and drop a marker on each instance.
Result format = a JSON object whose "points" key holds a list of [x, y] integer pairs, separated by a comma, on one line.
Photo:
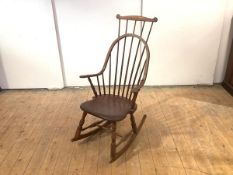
{"points": [[119, 102], [189, 130], [137, 18]]}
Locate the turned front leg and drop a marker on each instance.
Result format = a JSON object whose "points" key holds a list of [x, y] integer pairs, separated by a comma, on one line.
{"points": [[79, 128]]}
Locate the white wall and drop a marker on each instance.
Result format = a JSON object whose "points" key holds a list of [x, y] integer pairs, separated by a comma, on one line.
{"points": [[225, 43], [28, 49], [184, 44], [87, 28]]}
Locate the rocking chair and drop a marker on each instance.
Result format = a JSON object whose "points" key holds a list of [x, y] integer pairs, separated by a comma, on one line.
{"points": [[116, 89]]}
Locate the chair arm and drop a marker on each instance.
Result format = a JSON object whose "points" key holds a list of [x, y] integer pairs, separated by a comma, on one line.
{"points": [[136, 89], [89, 79], [90, 75]]}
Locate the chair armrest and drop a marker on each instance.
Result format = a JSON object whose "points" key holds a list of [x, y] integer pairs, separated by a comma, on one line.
{"points": [[136, 89], [90, 75], [89, 79]]}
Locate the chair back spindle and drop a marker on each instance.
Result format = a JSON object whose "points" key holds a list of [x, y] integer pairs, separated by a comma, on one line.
{"points": [[129, 54]]}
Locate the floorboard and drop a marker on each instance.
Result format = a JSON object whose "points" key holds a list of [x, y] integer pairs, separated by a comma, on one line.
{"points": [[188, 131]]}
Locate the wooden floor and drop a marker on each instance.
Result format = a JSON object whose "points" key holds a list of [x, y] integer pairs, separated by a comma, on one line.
{"points": [[188, 131]]}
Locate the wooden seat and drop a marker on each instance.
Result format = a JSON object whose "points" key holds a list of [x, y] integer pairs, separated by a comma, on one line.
{"points": [[108, 107], [118, 83]]}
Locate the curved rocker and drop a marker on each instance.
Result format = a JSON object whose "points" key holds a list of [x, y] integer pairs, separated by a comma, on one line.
{"points": [[129, 137], [79, 136]]}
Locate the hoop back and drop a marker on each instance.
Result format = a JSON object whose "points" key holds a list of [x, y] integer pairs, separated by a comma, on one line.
{"points": [[127, 61]]}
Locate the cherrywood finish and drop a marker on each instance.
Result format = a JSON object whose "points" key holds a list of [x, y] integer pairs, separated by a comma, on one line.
{"points": [[113, 102], [137, 18], [228, 80]]}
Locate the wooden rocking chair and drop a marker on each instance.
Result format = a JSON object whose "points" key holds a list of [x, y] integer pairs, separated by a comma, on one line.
{"points": [[117, 88]]}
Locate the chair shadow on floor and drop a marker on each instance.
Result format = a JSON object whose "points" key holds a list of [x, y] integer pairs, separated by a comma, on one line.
{"points": [[142, 143], [179, 122], [133, 151]]}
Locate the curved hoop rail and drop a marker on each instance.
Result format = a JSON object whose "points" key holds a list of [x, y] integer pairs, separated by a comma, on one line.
{"points": [[129, 73]]}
